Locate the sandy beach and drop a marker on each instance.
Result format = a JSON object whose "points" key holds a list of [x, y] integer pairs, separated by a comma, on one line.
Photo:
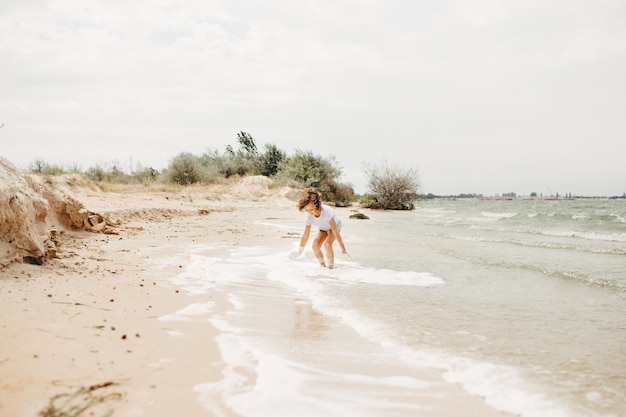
{"points": [[87, 320], [88, 330]]}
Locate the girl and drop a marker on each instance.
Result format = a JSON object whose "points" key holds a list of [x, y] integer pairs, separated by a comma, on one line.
{"points": [[326, 220]]}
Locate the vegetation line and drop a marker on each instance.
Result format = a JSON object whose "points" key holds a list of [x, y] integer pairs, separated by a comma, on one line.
{"points": [[390, 187]]}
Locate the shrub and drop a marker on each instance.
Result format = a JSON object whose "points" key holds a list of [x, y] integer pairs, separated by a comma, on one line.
{"points": [[185, 169], [226, 165], [269, 161], [340, 194], [39, 166], [117, 175], [145, 176], [246, 160], [310, 170], [96, 173], [391, 187]]}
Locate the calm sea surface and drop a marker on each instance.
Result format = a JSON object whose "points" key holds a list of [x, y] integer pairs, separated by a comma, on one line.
{"points": [[536, 289], [520, 302]]}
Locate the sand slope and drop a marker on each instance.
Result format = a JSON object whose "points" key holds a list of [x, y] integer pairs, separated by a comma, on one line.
{"points": [[33, 213], [80, 310]]}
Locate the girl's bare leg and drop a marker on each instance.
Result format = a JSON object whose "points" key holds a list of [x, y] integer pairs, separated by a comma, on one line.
{"points": [[317, 244], [328, 246]]}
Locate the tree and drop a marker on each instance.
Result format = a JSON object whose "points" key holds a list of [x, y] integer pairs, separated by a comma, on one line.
{"points": [[41, 167], [242, 162], [391, 187], [246, 144], [270, 160], [37, 166], [311, 170]]}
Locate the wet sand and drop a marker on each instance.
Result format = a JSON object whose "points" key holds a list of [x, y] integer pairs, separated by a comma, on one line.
{"points": [[85, 330]]}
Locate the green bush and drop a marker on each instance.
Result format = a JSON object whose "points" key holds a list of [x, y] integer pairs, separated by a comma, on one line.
{"points": [[246, 160], [117, 175], [145, 175], [268, 162], [185, 169], [113, 174], [226, 165], [310, 170], [340, 194], [307, 169], [96, 173]]}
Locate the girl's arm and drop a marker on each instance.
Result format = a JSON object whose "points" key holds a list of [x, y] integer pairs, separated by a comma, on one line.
{"points": [[305, 236], [303, 240]]}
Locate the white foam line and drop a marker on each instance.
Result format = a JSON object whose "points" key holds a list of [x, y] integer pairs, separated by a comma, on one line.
{"points": [[270, 385], [502, 387], [197, 309], [173, 317]]}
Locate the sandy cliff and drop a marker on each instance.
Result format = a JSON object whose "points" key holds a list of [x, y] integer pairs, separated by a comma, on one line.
{"points": [[33, 214]]}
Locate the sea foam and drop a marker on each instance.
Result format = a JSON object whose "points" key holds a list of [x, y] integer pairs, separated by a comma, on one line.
{"points": [[258, 381]]}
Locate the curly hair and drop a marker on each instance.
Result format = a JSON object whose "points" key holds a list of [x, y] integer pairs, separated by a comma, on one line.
{"points": [[310, 195]]}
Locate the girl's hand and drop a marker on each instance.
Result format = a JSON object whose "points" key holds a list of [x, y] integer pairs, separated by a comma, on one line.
{"points": [[294, 255]]}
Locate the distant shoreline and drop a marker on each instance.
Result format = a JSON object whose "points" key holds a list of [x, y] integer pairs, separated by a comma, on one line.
{"points": [[504, 198]]}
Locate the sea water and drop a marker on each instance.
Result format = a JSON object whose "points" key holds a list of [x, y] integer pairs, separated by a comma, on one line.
{"points": [[522, 303]]}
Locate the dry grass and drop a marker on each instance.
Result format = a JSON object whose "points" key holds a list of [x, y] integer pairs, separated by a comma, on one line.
{"points": [[94, 399], [157, 187]]}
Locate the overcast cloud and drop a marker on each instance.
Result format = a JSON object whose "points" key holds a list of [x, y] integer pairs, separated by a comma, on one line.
{"points": [[482, 96]]}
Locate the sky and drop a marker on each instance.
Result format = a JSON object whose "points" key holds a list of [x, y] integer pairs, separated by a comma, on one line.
{"points": [[484, 97]]}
